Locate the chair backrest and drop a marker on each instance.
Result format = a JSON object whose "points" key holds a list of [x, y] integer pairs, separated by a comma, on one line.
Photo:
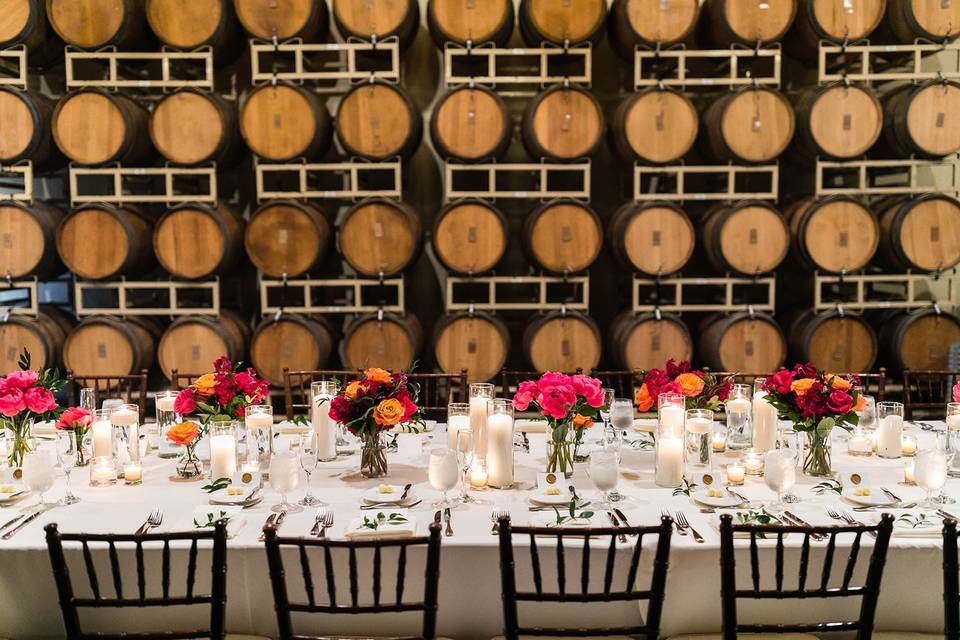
{"points": [[739, 377], [806, 586], [509, 380], [132, 389], [951, 581], [623, 383], [351, 603], [579, 591], [874, 383], [296, 386], [437, 390], [138, 596], [927, 392], [182, 380]]}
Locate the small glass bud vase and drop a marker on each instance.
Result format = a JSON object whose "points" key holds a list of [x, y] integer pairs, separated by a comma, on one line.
{"points": [[103, 471], [668, 458]]}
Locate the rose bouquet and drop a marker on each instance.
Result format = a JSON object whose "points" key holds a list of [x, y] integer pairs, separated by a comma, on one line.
{"points": [[372, 405], [815, 402], [700, 389], [562, 400], [26, 396], [77, 420]]}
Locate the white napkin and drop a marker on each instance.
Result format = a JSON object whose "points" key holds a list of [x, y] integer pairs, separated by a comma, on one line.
{"points": [[288, 427], [904, 530], [357, 531], [528, 425], [235, 513]]}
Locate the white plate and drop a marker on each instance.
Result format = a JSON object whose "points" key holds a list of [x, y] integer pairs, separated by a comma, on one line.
{"points": [[371, 496], [877, 497], [542, 498], [550, 520], [221, 498], [726, 500], [21, 492]]}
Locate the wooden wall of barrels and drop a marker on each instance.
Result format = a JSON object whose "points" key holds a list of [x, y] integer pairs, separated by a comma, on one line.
{"points": [[242, 239]]}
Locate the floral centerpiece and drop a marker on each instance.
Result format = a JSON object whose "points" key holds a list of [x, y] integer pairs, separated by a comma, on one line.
{"points": [[26, 396], [815, 402], [700, 389], [77, 420], [372, 405], [562, 400]]}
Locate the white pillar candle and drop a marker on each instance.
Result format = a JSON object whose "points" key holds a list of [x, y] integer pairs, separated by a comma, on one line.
{"points": [[223, 456], [325, 427], [454, 425], [478, 424], [500, 450], [102, 432], [889, 437], [953, 421], [669, 462], [671, 418], [764, 423]]}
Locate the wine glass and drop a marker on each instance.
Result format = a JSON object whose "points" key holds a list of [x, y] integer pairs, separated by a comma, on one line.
{"points": [[464, 449], [621, 414], [943, 446], [308, 462], [789, 440], [443, 473], [604, 472], [931, 475], [38, 472], [609, 395], [779, 473], [67, 455], [284, 478]]}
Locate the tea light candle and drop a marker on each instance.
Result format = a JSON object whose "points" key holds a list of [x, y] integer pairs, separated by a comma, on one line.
{"points": [[103, 471], [909, 467], [719, 442], [478, 474], [165, 403], [908, 444], [102, 432], [860, 444], [132, 473], [753, 463], [735, 473]]}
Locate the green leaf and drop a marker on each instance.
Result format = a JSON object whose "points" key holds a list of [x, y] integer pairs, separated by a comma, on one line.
{"points": [[685, 488], [827, 486], [586, 515], [572, 507], [825, 427], [216, 485]]}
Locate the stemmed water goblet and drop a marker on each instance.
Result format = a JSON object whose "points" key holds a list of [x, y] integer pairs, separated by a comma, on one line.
{"points": [[67, 456], [308, 462]]}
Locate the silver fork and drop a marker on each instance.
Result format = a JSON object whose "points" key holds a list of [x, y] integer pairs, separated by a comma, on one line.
{"points": [[848, 519], [327, 523], [676, 524], [495, 515], [321, 516], [682, 520], [155, 519]]}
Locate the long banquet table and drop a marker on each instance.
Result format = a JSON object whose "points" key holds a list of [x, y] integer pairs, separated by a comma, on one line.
{"points": [[470, 605]]}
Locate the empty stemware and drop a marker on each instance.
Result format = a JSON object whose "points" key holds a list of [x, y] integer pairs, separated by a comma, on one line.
{"points": [[309, 457], [67, 456]]}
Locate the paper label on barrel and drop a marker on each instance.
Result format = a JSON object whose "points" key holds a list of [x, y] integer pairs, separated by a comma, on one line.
{"points": [[656, 239]]}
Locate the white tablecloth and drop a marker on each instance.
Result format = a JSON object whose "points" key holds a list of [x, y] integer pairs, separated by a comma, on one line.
{"points": [[470, 605]]}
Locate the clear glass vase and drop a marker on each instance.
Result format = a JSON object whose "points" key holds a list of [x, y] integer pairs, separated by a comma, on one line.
{"points": [[816, 457], [560, 449], [189, 466], [19, 442], [373, 455]]}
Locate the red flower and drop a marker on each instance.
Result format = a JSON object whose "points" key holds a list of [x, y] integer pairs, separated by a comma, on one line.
{"points": [[224, 389], [186, 402], [780, 381], [525, 395], [674, 368], [723, 390], [556, 401], [222, 365], [805, 371], [671, 387], [409, 408], [341, 410], [251, 385], [11, 401], [839, 402], [75, 417], [22, 380], [590, 388], [813, 404], [39, 400]]}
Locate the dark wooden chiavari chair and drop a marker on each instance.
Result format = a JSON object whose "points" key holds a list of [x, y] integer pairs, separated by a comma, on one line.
{"points": [[182, 380], [353, 604], [874, 383], [139, 596], [131, 389], [580, 592], [623, 383], [296, 386], [926, 393], [437, 390], [738, 376], [509, 380]]}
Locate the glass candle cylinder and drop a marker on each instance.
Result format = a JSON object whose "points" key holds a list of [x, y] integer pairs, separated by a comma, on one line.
{"points": [[166, 418], [480, 393], [499, 443], [735, 473], [764, 416], [478, 474], [698, 430], [908, 444], [258, 422], [101, 432], [739, 406], [88, 398], [132, 473], [223, 449], [126, 418], [103, 471], [953, 437], [890, 417], [322, 393], [860, 443], [868, 414], [668, 455], [458, 417], [752, 462]]}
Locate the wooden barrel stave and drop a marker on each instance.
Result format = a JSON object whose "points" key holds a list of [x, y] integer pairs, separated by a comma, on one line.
{"points": [[571, 22], [191, 126], [909, 20], [470, 124], [285, 121], [120, 134], [28, 240], [563, 123], [738, 22], [191, 343], [470, 236], [658, 126], [189, 24], [198, 241], [833, 341], [42, 336], [284, 19], [836, 235], [26, 119], [100, 241], [478, 342], [750, 125], [750, 237], [24, 23], [558, 341], [377, 19], [95, 24], [918, 339], [651, 237], [287, 237], [920, 233], [110, 346], [460, 21], [563, 236], [742, 342], [920, 120], [389, 341], [648, 23], [645, 341], [295, 342], [380, 236], [379, 121], [837, 121], [834, 21]]}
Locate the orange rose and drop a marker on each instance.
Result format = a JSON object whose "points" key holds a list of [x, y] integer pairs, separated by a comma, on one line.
{"points": [[643, 399], [205, 384], [582, 422], [388, 413], [353, 389], [801, 386], [861, 404], [184, 433], [690, 383], [836, 382], [378, 375]]}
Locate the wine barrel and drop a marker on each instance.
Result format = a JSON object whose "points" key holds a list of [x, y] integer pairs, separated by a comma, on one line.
{"points": [[378, 19], [837, 121], [746, 22], [379, 121], [470, 124], [646, 340], [835, 235], [24, 23], [568, 22], [563, 123], [25, 119], [388, 341], [832, 341], [287, 237], [920, 233], [109, 346], [284, 19], [751, 125], [380, 236], [649, 23], [285, 121], [478, 342], [100, 241], [750, 237], [189, 24], [42, 336], [656, 126], [28, 240], [463, 21], [192, 126], [908, 20], [651, 237], [470, 236], [199, 240], [93, 126], [921, 120], [742, 342], [917, 339], [192, 343], [293, 341], [834, 21], [93, 24], [563, 236], [562, 341]]}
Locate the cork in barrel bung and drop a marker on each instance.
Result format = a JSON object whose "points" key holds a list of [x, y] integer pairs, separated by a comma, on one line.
{"points": [[191, 343], [93, 126], [645, 341], [284, 19], [287, 237], [94, 24], [563, 123], [470, 124], [569, 22], [836, 21], [658, 126], [478, 342], [25, 119], [469, 236], [909, 20], [562, 341], [380, 237], [921, 120], [837, 121], [42, 336], [563, 236], [750, 238], [919, 339], [285, 121], [101, 241], [750, 125], [836, 235], [748, 22], [921, 233], [292, 341], [833, 341], [649, 23], [190, 24], [191, 126], [379, 121], [474, 21], [198, 240], [110, 346], [742, 342], [378, 19], [655, 238], [28, 240], [387, 340]]}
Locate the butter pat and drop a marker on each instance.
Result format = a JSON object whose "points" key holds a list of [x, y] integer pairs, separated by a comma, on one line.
{"points": [[552, 491], [385, 489], [8, 488], [715, 493], [861, 491], [235, 491]]}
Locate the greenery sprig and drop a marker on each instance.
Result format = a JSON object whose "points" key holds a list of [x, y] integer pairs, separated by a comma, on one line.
{"points": [[756, 518], [685, 488], [382, 519], [212, 520], [216, 485], [572, 516], [916, 522], [827, 486]]}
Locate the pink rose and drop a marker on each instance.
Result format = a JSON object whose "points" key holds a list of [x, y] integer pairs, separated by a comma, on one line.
{"points": [[525, 394], [956, 392], [186, 403], [557, 401], [39, 400], [22, 380], [839, 402], [590, 388], [670, 387], [780, 381], [409, 408], [75, 417], [11, 402]]}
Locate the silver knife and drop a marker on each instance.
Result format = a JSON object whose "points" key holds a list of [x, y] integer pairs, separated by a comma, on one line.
{"points": [[25, 522], [315, 530], [8, 524], [616, 525], [446, 518], [792, 519], [891, 494]]}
